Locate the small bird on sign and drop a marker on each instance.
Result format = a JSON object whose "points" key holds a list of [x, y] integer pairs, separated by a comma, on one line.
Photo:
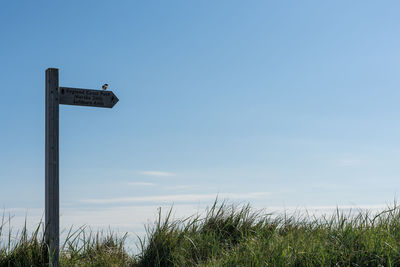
{"points": [[105, 86]]}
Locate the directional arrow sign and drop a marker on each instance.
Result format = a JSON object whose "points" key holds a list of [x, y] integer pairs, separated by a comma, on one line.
{"points": [[87, 97]]}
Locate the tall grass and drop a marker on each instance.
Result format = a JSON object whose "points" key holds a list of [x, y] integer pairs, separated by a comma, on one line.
{"points": [[227, 235], [82, 247], [237, 236]]}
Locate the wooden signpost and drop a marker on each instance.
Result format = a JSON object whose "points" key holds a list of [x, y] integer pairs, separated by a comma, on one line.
{"points": [[55, 96]]}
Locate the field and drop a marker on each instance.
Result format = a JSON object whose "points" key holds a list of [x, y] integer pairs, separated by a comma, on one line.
{"points": [[227, 235]]}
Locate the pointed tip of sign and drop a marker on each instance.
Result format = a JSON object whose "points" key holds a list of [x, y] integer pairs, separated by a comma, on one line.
{"points": [[115, 99]]}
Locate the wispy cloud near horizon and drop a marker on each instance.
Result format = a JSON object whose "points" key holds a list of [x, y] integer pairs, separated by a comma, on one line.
{"points": [[157, 173], [179, 187], [177, 198], [350, 162], [141, 184]]}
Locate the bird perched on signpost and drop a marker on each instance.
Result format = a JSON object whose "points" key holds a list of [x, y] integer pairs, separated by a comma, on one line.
{"points": [[105, 86]]}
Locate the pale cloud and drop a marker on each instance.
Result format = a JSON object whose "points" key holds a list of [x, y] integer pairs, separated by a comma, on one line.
{"points": [[141, 184], [179, 187], [157, 173], [13, 210], [324, 211], [350, 162], [328, 209], [177, 198]]}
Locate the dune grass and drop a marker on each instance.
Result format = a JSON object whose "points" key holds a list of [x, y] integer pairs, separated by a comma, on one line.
{"points": [[227, 235]]}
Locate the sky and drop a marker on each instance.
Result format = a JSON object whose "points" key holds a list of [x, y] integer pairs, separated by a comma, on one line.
{"points": [[280, 104]]}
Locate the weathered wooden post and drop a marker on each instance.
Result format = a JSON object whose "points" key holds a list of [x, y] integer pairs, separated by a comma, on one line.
{"points": [[51, 169], [55, 96]]}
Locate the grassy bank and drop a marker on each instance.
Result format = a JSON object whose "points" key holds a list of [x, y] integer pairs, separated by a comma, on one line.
{"points": [[228, 236]]}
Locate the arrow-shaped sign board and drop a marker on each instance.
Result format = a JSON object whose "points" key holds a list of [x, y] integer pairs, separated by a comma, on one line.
{"points": [[87, 97]]}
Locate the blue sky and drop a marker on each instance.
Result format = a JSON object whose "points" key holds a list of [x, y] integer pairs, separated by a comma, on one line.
{"points": [[276, 103]]}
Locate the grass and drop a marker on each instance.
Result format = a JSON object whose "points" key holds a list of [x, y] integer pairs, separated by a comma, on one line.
{"points": [[227, 235]]}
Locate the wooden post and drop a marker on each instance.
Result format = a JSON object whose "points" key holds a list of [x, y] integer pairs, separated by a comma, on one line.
{"points": [[52, 167]]}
